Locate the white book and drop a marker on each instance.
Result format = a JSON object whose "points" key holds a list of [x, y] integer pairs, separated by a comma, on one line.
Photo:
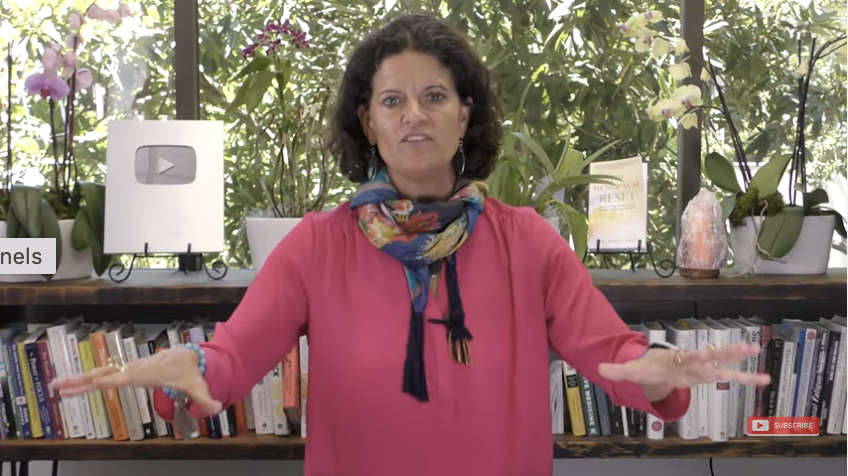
{"points": [[76, 367], [141, 395], [655, 333], [683, 336], [703, 339], [281, 423], [304, 382], [557, 397], [57, 338], [751, 334], [263, 412], [735, 406], [806, 359], [718, 396], [785, 391]]}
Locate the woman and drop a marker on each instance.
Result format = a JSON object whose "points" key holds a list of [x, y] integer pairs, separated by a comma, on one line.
{"points": [[429, 308]]}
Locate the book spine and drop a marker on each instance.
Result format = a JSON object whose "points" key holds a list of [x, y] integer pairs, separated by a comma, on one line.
{"points": [[39, 389], [18, 390]]}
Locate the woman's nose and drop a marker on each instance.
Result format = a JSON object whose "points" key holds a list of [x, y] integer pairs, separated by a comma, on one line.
{"points": [[413, 112]]}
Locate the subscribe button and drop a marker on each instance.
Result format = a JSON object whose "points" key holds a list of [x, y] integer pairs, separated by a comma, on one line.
{"points": [[783, 426]]}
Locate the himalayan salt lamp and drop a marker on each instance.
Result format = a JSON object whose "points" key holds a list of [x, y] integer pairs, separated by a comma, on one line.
{"points": [[703, 240]]}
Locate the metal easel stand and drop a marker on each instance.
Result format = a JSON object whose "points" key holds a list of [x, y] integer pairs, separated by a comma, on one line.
{"points": [[186, 262], [665, 268]]}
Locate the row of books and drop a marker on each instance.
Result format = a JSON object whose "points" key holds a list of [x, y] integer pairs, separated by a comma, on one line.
{"points": [[805, 359], [30, 358]]}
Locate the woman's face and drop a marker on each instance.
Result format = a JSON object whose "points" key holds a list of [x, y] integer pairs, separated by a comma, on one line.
{"points": [[415, 117]]}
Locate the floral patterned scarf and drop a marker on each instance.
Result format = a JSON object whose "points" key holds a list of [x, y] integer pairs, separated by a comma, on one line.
{"points": [[418, 235]]}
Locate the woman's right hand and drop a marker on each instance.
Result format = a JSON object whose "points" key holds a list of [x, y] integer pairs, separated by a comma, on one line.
{"points": [[173, 368]]}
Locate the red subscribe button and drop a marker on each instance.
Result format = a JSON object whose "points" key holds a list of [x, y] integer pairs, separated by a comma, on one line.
{"points": [[782, 426]]}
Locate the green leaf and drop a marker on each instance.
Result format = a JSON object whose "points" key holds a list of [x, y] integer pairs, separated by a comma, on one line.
{"points": [[779, 232], [594, 156], [89, 225], [727, 204], [13, 227], [578, 226], [259, 84], [572, 162], [26, 204], [537, 150], [259, 63], [768, 177], [50, 229], [721, 173], [814, 199]]}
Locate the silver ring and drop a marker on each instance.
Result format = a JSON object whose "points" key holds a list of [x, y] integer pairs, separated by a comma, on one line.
{"points": [[116, 363]]}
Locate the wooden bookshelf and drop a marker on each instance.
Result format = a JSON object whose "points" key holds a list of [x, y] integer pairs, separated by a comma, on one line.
{"points": [[165, 295], [168, 287], [268, 447]]}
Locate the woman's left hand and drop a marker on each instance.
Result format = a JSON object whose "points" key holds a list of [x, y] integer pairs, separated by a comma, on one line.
{"points": [[664, 368]]}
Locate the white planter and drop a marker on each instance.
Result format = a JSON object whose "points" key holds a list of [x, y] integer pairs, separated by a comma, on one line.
{"points": [[74, 265], [810, 255], [263, 234]]}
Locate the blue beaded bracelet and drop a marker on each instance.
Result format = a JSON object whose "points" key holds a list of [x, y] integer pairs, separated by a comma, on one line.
{"points": [[201, 366]]}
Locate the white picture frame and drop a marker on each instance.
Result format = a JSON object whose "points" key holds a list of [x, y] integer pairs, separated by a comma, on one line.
{"points": [[164, 187]]}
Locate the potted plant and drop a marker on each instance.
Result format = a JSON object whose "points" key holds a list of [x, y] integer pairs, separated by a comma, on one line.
{"points": [[519, 180], [67, 209], [288, 130], [771, 233]]}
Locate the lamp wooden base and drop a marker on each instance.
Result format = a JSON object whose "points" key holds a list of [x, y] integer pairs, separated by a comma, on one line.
{"points": [[699, 273]]}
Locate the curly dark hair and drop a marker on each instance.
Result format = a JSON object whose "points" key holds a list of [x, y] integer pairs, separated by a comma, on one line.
{"points": [[428, 35]]}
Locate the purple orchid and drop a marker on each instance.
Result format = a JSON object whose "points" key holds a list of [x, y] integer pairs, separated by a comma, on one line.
{"points": [[271, 38], [48, 84]]}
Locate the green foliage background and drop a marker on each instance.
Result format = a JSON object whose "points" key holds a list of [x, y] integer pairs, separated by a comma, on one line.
{"points": [[580, 72]]}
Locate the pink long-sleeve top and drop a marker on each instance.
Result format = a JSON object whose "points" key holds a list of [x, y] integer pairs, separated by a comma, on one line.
{"points": [[523, 289]]}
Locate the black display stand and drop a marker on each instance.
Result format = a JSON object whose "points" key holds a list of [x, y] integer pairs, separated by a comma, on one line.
{"points": [[665, 268], [186, 262]]}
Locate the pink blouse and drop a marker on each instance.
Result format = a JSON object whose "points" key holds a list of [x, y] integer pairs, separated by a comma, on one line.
{"points": [[523, 289]]}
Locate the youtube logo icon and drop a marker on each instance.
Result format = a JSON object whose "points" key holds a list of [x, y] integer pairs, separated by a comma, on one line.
{"points": [[782, 426], [759, 425]]}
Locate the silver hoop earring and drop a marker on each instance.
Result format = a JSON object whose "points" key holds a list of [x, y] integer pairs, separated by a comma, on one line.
{"points": [[372, 164], [461, 158]]}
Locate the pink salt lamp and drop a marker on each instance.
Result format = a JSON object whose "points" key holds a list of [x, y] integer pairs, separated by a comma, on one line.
{"points": [[703, 240]]}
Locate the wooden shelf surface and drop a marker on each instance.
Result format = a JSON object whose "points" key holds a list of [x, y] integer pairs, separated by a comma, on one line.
{"points": [[289, 448], [157, 287]]}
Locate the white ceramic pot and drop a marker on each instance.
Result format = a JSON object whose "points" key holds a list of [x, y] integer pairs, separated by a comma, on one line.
{"points": [[810, 255], [263, 234], [74, 265]]}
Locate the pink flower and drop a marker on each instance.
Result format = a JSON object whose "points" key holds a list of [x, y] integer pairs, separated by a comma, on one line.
{"points": [[95, 12], [83, 79], [124, 10], [76, 21], [47, 84]]}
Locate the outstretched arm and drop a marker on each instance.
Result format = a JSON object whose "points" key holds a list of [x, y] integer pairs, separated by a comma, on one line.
{"points": [[263, 328], [585, 330]]}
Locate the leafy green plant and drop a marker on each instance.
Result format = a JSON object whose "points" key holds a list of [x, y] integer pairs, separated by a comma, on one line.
{"points": [[35, 212], [782, 221], [30, 215], [289, 128], [525, 175], [757, 196]]}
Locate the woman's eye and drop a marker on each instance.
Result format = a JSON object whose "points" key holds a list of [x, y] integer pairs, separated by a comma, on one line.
{"points": [[436, 96], [390, 101]]}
